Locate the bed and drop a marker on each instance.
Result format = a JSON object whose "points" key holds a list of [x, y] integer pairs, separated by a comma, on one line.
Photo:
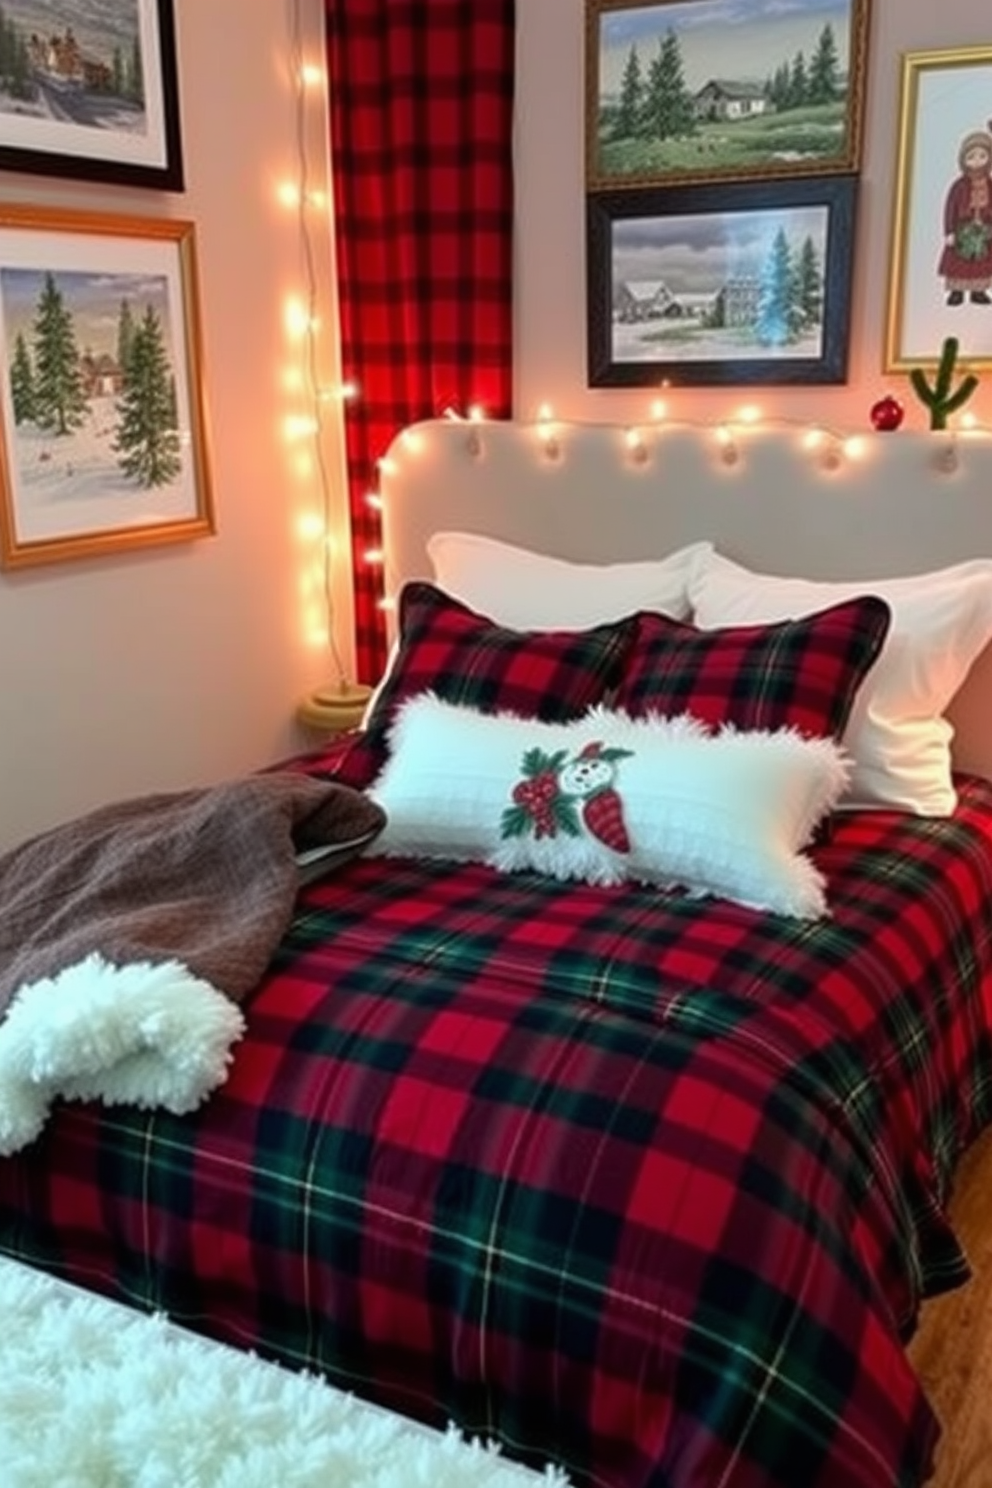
{"points": [[644, 1182]]}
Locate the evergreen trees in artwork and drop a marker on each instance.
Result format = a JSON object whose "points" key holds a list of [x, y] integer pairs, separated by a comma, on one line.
{"points": [[22, 382], [48, 389], [791, 293], [776, 321], [809, 284], [147, 441], [824, 83], [59, 399], [631, 103], [654, 102], [15, 65], [668, 108], [125, 336], [804, 81]]}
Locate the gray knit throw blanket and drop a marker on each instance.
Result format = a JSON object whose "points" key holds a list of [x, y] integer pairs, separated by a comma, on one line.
{"points": [[206, 877]]}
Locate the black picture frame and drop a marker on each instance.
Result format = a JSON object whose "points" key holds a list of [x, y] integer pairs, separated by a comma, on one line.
{"points": [[74, 70], [733, 284], [690, 90]]}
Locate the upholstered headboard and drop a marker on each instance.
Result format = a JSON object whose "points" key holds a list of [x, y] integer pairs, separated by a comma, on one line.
{"points": [[779, 499]]}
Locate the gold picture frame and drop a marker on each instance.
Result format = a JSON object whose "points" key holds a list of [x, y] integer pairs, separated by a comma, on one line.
{"points": [[681, 91], [940, 263], [103, 441]]}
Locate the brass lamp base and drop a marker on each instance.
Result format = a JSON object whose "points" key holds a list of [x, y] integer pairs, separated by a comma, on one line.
{"points": [[334, 707]]}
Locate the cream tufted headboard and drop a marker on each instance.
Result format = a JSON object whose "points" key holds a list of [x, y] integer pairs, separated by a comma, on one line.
{"points": [[783, 500]]}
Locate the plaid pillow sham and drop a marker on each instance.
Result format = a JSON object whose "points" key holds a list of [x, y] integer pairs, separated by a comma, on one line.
{"points": [[802, 674], [462, 657]]}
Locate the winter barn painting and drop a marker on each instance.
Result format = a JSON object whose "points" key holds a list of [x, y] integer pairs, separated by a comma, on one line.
{"points": [[746, 282], [696, 90]]}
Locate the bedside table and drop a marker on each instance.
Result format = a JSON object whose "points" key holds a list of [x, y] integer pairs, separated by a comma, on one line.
{"points": [[334, 707]]}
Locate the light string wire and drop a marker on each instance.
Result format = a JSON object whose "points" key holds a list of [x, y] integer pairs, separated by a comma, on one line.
{"points": [[310, 357]]}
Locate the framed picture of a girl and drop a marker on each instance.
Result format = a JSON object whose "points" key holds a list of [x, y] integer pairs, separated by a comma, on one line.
{"points": [[940, 281]]}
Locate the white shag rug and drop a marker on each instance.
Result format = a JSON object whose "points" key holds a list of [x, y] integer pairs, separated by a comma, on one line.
{"points": [[93, 1395]]}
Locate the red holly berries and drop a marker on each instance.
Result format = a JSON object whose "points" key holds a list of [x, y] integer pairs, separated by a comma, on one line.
{"points": [[537, 797]]}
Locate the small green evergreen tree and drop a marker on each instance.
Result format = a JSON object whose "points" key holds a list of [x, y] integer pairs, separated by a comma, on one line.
{"points": [[22, 382], [824, 69], [147, 435], [777, 321], [125, 336], [809, 285], [798, 94], [60, 404], [668, 107], [630, 110], [778, 87]]}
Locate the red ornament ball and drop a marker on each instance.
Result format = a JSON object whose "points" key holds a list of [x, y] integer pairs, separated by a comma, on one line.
{"points": [[887, 414]]}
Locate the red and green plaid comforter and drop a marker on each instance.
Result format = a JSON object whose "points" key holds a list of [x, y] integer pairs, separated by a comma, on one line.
{"points": [[648, 1186]]}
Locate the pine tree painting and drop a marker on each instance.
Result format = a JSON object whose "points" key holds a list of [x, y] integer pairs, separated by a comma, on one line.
{"points": [[97, 413], [103, 435], [717, 89], [693, 292]]}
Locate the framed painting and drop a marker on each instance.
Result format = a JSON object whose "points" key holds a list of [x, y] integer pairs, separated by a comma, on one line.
{"points": [[739, 283], [90, 91], [102, 414], [940, 274], [705, 90]]}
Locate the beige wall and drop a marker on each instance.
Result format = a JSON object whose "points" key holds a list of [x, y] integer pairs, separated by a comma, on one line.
{"points": [[182, 664], [550, 265]]}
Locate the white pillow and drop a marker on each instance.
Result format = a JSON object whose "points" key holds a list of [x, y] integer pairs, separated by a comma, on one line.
{"points": [[533, 591], [607, 798], [896, 735]]}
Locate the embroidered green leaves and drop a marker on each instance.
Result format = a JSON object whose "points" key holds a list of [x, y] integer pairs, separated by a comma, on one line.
{"points": [[569, 794]]}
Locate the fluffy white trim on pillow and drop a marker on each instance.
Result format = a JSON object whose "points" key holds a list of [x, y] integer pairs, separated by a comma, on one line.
{"points": [[608, 798], [534, 591]]}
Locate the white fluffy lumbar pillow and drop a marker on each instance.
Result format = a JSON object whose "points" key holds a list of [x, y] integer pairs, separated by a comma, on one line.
{"points": [[607, 798]]}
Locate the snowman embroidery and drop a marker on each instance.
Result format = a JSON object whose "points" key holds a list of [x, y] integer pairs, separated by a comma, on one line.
{"points": [[559, 794]]}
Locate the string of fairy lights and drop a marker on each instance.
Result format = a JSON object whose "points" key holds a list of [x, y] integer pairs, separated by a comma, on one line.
{"points": [[313, 397]]}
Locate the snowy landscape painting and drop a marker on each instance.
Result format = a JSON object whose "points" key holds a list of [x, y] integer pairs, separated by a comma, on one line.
{"points": [[738, 283], [693, 90], [88, 88], [103, 442]]}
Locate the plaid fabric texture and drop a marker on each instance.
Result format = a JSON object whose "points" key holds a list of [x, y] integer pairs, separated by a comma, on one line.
{"points": [[461, 656], [647, 1185], [421, 98], [802, 674]]}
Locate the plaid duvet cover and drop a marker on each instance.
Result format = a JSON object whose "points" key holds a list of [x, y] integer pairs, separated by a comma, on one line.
{"points": [[648, 1186]]}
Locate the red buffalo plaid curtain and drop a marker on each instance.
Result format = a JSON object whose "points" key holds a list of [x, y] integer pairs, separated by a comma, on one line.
{"points": [[421, 95]]}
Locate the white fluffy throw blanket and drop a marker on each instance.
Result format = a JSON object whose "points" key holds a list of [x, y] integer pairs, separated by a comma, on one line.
{"points": [[128, 936], [94, 1395]]}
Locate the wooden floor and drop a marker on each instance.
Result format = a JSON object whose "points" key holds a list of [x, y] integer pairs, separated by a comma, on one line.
{"points": [[952, 1349]]}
